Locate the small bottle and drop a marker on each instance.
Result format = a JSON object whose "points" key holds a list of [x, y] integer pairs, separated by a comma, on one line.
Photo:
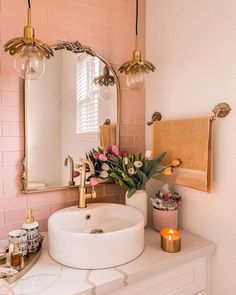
{"points": [[17, 260], [32, 228]]}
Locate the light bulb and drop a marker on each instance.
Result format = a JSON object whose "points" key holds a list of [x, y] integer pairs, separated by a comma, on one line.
{"points": [[136, 81], [106, 92], [29, 64]]}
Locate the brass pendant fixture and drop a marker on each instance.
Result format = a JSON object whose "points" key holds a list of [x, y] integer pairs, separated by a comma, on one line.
{"points": [[106, 79], [105, 84], [136, 68], [29, 52]]}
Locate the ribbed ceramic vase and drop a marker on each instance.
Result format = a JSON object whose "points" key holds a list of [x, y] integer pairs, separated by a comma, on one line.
{"points": [[138, 201], [162, 219]]}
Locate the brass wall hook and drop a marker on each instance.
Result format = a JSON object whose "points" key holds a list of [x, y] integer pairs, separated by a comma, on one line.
{"points": [[221, 110], [155, 117], [107, 122]]}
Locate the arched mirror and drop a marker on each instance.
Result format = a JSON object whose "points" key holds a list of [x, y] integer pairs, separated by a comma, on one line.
{"points": [[71, 109]]}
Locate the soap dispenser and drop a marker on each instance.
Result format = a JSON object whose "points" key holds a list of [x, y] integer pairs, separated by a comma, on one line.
{"points": [[32, 228]]}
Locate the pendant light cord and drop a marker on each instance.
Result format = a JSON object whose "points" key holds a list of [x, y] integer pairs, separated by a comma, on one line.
{"points": [[29, 4], [136, 26]]}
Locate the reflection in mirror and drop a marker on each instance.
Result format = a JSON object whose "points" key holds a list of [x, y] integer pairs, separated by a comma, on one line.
{"points": [[65, 112]]}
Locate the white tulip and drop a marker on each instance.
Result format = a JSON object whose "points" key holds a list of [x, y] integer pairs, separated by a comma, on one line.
{"points": [[104, 174], [138, 164]]}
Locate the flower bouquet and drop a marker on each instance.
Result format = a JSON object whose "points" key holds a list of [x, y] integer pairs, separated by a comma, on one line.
{"points": [[165, 208], [130, 171], [103, 160]]}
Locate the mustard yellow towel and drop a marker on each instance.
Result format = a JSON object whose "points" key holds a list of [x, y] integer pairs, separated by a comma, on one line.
{"points": [[191, 141], [107, 135]]}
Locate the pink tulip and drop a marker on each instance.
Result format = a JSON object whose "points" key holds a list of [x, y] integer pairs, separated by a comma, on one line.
{"points": [[108, 149], [124, 154], [94, 181], [115, 150], [102, 157], [96, 156]]}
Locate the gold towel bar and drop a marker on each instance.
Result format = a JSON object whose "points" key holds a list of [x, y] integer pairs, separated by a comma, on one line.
{"points": [[221, 110]]}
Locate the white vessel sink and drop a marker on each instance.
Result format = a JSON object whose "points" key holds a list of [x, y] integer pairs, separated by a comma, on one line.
{"points": [[102, 235]]}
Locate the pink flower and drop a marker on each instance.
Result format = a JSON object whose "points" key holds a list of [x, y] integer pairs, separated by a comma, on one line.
{"points": [[76, 174], [108, 149], [166, 197], [124, 154], [102, 157], [96, 156], [94, 181], [115, 150]]}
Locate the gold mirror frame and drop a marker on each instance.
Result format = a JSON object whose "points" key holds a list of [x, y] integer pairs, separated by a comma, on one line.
{"points": [[76, 48]]}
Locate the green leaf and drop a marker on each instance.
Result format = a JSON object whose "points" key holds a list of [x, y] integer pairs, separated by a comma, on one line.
{"points": [[131, 192], [100, 150], [155, 165], [161, 157], [144, 178]]}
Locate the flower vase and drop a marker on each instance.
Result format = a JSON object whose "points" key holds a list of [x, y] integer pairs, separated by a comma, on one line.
{"points": [[163, 219], [139, 201]]}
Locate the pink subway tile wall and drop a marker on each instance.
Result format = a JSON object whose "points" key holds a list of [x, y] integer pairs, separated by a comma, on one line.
{"points": [[107, 26]]}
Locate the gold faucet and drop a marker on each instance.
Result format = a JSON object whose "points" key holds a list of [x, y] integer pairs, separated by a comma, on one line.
{"points": [[83, 194], [71, 182]]}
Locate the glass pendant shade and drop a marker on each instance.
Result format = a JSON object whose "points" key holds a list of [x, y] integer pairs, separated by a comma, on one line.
{"points": [[105, 84], [106, 92], [136, 81], [29, 52], [28, 64]]}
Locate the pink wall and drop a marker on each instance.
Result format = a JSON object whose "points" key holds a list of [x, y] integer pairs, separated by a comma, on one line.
{"points": [[105, 25]]}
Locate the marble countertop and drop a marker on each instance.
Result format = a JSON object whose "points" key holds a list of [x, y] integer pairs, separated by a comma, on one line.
{"points": [[48, 277]]}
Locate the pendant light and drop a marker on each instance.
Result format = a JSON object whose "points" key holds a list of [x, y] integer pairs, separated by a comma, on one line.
{"points": [[29, 52], [105, 84], [136, 68]]}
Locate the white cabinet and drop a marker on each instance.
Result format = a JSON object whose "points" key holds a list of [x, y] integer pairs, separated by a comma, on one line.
{"points": [[187, 279]]}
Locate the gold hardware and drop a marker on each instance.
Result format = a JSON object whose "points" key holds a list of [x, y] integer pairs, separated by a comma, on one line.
{"points": [[24, 175], [74, 47], [83, 195], [30, 218], [137, 65], [19, 44], [71, 182], [106, 79], [221, 110], [107, 122], [155, 117]]}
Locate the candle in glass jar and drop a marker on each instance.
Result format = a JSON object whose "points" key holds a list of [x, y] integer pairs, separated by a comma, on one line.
{"points": [[170, 240]]}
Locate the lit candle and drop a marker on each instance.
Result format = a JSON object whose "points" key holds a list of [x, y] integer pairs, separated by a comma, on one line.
{"points": [[170, 240]]}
